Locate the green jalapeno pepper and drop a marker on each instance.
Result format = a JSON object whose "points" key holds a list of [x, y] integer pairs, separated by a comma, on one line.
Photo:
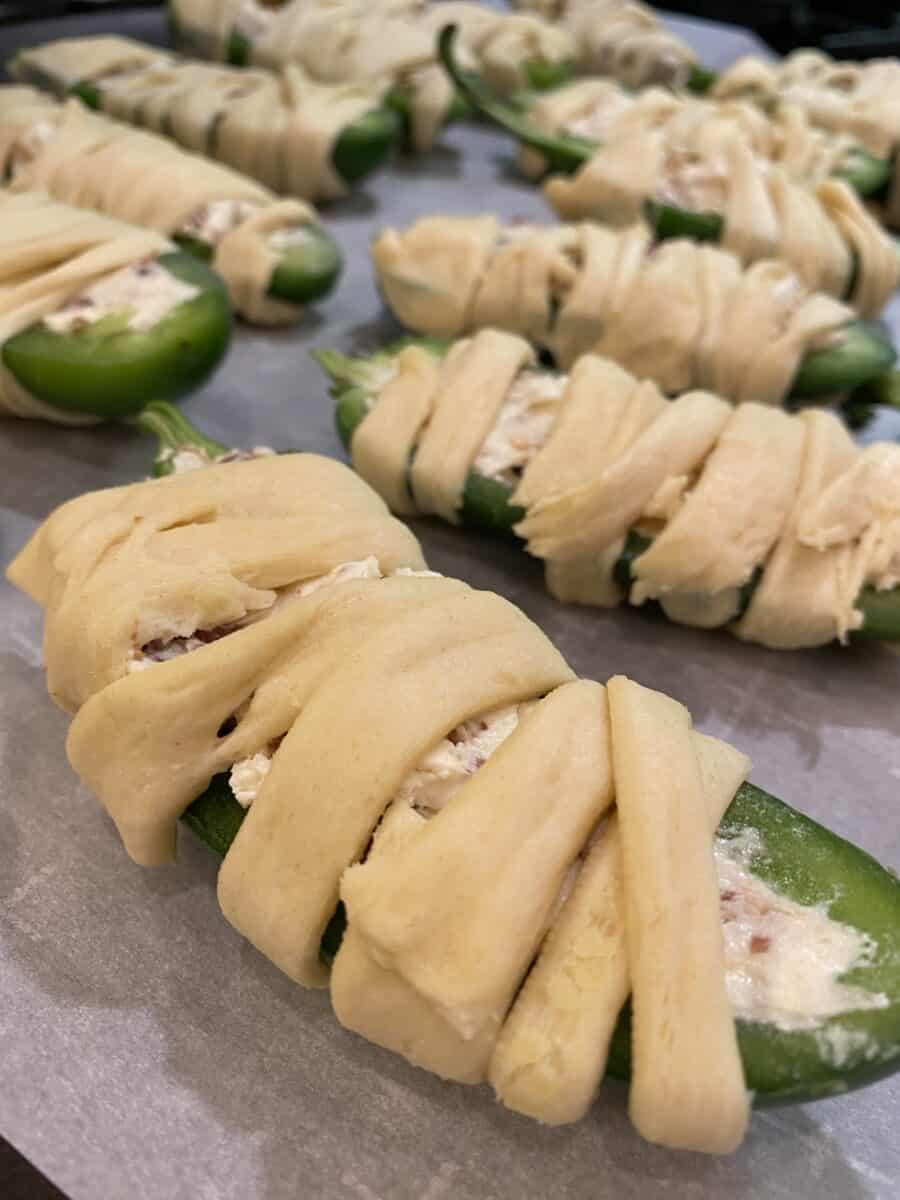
{"points": [[106, 369], [487, 503], [565, 152], [360, 148], [799, 859]]}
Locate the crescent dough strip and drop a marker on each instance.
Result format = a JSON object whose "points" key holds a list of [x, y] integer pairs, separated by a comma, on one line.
{"points": [[621, 38], [765, 213], [733, 497], [123, 567], [669, 311], [483, 369], [551, 1056], [344, 690], [279, 128], [691, 129], [671, 914], [860, 99], [459, 918], [393, 41], [87, 160], [49, 252]]}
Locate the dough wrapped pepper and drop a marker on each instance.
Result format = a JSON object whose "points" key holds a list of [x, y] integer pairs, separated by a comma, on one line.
{"points": [[291, 133], [484, 910], [623, 40], [97, 317], [861, 100], [390, 40], [764, 189], [777, 527], [681, 313], [273, 254]]}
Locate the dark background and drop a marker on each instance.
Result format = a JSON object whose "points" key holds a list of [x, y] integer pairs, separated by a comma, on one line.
{"points": [[845, 28]]}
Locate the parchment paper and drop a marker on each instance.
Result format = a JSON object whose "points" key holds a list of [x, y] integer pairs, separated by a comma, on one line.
{"points": [[147, 1051]]}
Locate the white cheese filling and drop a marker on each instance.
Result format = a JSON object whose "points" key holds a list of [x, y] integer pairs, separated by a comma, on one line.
{"points": [[447, 766], [784, 961], [145, 290], [523, 425], [192, 458], [213, 221]]}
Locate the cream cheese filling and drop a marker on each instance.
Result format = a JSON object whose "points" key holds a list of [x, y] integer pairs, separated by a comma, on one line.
{"points": [[785, 961], [213, 221], [146, 290], [523, 425], [192, 458]]}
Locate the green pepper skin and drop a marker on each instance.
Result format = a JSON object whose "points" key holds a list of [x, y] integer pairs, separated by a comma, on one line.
{"points": [[801, 860], [565, 153], [487, 506], [362, 146], [108, 370], [701, 79], [864, 354], [365, 144], [543, 75], [237, 49], [306, 271]]}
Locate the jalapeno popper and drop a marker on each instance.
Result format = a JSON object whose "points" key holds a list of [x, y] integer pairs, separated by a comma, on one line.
{"points": [[98, 317], [679, 312], [273, 254], [484, 875], [290, 132], [861, 100], [390, 40], [777, 527], [623, 40], [725, 174]]}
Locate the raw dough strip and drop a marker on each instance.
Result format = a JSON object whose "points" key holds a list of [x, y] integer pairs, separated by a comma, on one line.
{"points": [[278, 128], [88, 160], [622, 39], [825, 234], [348, 41], [689, 125], [726, 493], [681, 313], [49, 252], [860, 99], [356, 683]]}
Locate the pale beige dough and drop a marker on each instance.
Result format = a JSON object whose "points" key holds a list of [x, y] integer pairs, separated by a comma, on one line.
{"points": [[93, 162], [681, 313], [620, 38], [346, 689], [279, 128], [726, 493]]}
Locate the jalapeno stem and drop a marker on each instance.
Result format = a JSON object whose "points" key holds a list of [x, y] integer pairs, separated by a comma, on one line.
{"points": [[566, 152], [173, 432]]}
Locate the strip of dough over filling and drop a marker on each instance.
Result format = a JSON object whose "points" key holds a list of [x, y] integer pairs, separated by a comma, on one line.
{"points": [[279, 128], [769, 523], [48, 253], [351, 686], [88, 160]]}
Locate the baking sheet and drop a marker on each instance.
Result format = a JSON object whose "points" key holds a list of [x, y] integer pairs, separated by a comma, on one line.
{"points": [[147, 1051]]}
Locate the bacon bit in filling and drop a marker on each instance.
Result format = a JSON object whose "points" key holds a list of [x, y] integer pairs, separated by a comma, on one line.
{"points": [[146, 290]]}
